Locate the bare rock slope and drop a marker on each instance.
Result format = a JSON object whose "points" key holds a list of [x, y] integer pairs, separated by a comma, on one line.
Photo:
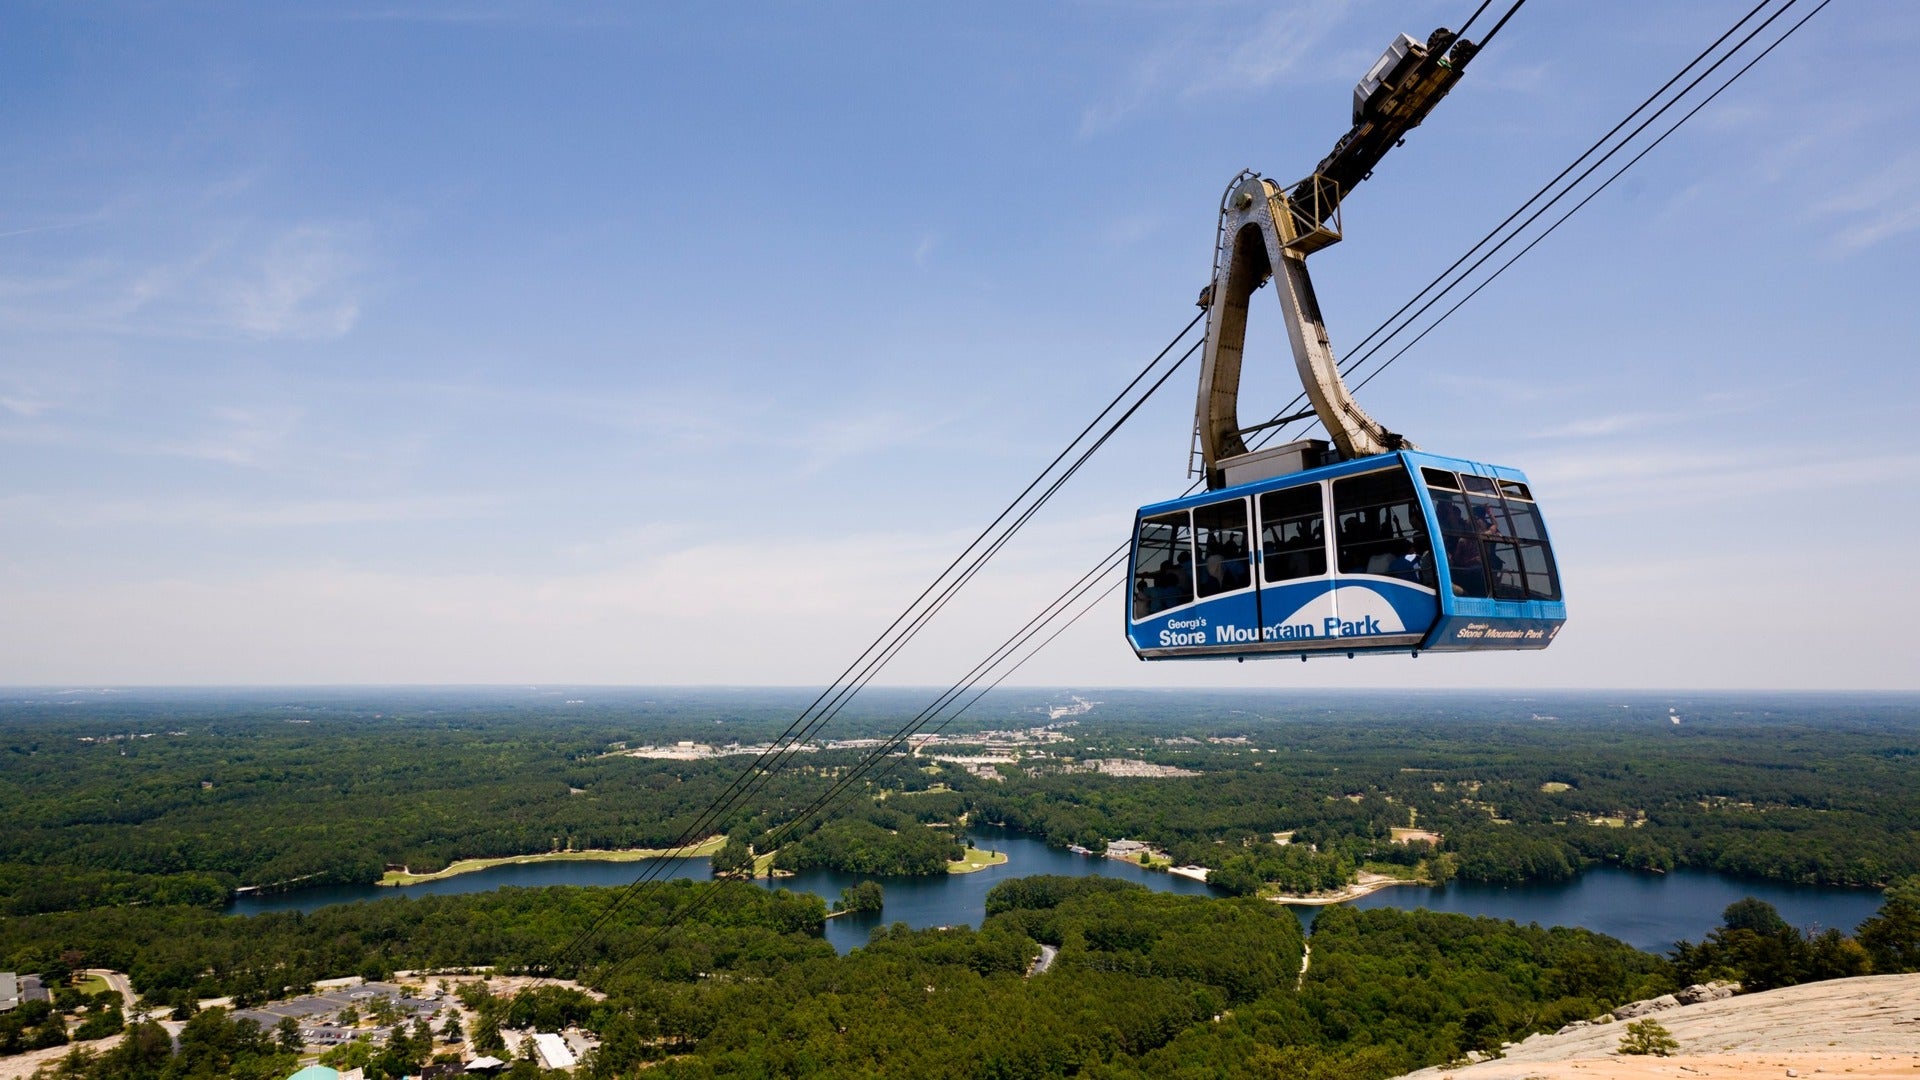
{"points": [[1866, 1028]]}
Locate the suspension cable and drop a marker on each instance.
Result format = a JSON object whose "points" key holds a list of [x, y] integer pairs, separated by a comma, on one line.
{"points": [[1604, 185], [891, 640]]}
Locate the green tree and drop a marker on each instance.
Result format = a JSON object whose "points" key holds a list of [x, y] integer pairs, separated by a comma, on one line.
{"points": [[1756, 915], [864, 896], [734, 857], [104, 1020], [1892, 936], [1648, 1037], [486, 1033]]}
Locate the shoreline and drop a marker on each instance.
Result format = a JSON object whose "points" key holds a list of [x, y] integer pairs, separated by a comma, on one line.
{"points": [[1366, 885], [403, 878]]}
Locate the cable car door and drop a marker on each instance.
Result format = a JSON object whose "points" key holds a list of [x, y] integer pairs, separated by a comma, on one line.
{"points": [[1223, 574], [1296, 592]]}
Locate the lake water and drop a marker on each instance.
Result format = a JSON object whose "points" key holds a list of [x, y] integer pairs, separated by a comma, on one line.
{"points": [[1649, 911], [958, 899]]}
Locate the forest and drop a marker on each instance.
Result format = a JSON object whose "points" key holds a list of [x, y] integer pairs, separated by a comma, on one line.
{"points": [[177, 798], [1143, 985], [134, 821]]}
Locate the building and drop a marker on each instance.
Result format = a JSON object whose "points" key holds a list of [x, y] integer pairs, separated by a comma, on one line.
{"points": [[551, 1051], [9, 991]]}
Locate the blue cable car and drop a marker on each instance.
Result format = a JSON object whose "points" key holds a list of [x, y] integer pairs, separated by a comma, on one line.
{"points": [[1399, 552], [1368, 545]]}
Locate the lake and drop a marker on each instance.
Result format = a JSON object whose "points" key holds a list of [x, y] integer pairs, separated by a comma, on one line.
{"points": [[1648, 911]]}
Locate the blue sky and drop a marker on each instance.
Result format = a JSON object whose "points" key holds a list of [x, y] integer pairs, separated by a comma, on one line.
{"points": [[422, 342]]}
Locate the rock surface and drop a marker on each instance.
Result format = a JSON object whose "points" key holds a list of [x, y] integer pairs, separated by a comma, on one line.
{"points": [[1865, 1029], [1713, 991], [1635, 1009]]}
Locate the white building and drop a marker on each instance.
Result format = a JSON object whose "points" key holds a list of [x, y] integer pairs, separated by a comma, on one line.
{"points": [[551, 1051]]}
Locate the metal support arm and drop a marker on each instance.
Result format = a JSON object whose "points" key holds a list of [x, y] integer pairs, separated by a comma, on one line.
{"points": [[1267, 231], [1261, 237]]}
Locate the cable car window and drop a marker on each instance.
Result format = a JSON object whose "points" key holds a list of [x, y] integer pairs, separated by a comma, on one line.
{"points": [[1526, 521], [1220, 547], [1488, 515], [1537, 564], [1292, 539], [1381, 528], [1162, 564], [1440, 478], [1466, 558], [1509, 583], [1496, 544]]}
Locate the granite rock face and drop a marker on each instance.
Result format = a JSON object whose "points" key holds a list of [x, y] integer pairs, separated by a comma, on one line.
{"points": [[1713, 991], [1636, 1009]]}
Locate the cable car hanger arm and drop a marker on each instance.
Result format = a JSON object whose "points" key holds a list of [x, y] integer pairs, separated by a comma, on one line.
{"points": [[1267, 231]]}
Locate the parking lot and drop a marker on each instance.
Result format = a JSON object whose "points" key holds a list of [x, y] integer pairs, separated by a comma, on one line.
{"points": [[316, 1012]]}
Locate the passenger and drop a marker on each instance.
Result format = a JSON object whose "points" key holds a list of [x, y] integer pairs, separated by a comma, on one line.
{"points": [[1239, 572], [1484, 523], [1406, 561], [1176, 586], [1469, 566], [1211, 573]]}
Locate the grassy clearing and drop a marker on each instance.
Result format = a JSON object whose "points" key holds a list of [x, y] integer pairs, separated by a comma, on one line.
{"points": [[1407, 836], [975, 859], [90, 984], [468, 866], [1393, 870], [1555, 787]]}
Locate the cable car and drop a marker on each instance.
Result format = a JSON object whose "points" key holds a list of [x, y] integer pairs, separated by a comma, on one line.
{"points": [[1369, 544], [1399, 552]]}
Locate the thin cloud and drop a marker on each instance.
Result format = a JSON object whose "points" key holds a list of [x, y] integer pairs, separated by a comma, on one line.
{"points": [[1231, 54], [299, 282], [248, 437], [1880, 207], [834, 440], [246, 514], [1682, 478], [1614, 424], [297, 290]]}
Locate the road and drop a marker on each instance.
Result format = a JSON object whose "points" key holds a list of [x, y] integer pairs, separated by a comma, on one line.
{"points": [[120, 984], [1040, 966]]}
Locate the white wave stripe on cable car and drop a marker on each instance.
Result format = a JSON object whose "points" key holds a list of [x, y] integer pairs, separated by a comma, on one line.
{"points": [[1357, 611]]}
